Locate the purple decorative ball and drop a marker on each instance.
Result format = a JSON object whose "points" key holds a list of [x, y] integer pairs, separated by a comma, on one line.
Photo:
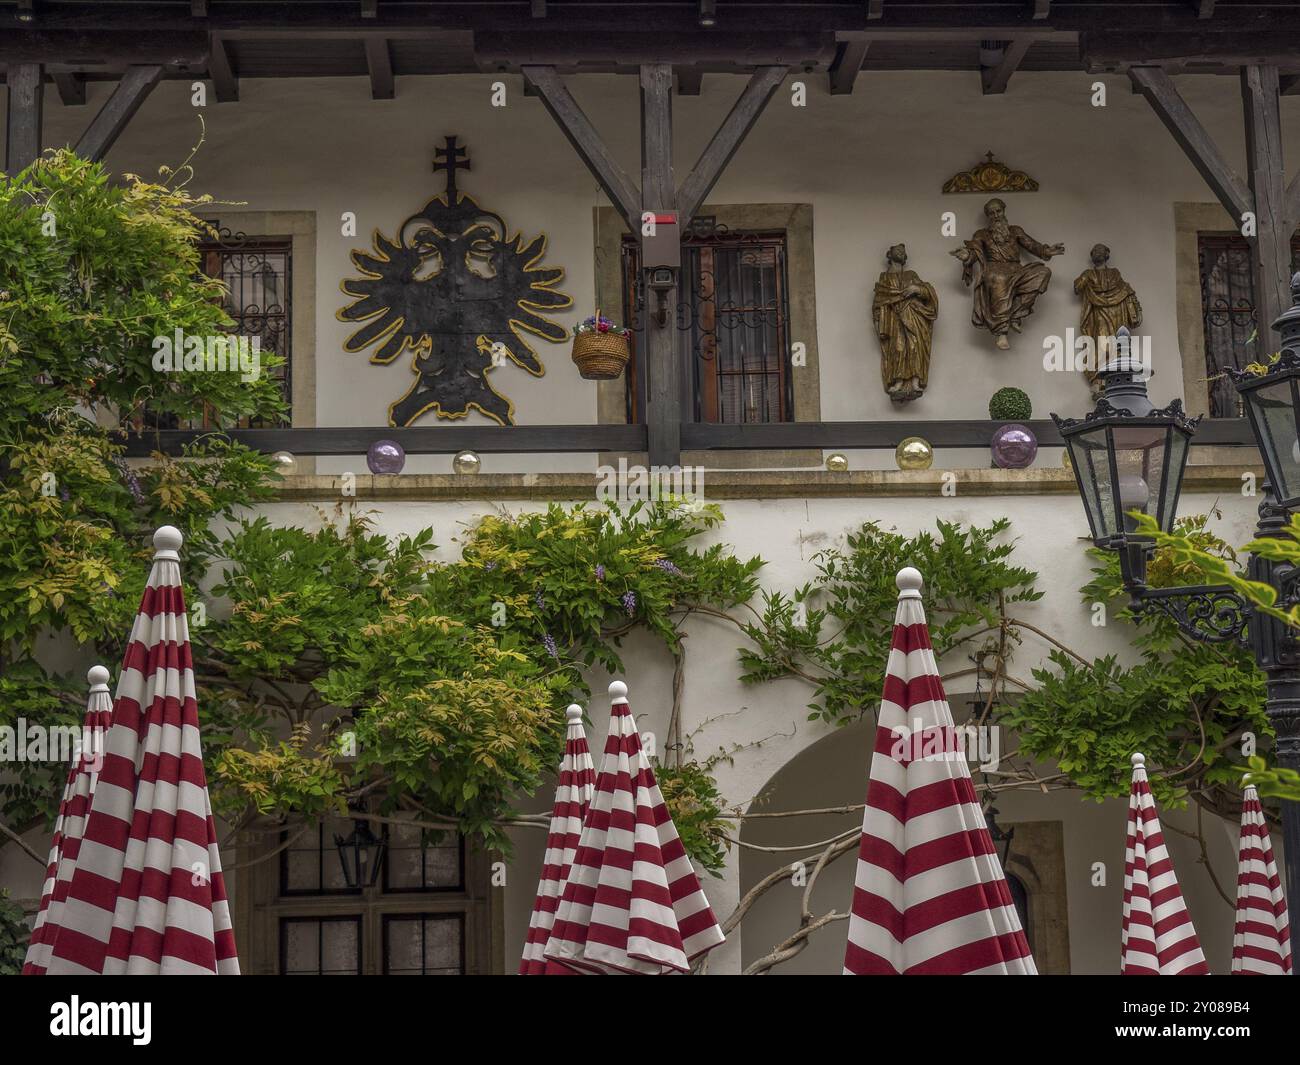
{"points": [[386, 456], [1014, 447]]}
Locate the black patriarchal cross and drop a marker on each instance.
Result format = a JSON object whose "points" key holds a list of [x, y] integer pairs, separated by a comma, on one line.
{"points": [[451, 157]]}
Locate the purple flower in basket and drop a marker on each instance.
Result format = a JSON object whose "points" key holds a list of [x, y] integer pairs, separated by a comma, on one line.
{"points": [[629, 602]]}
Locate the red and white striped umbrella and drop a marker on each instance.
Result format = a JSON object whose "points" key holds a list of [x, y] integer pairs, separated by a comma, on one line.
{"points": [[1157, 938], [147, 894], [1261, 938], [632, 902], [572, 797], [929, 895], [71, 820]]}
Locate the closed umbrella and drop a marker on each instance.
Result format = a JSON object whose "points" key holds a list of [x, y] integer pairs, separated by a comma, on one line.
{"points": [[572, 796], [929, 895], [632, 902], [1157, 937], [147, 894], [1261, 936], [71, 821]]}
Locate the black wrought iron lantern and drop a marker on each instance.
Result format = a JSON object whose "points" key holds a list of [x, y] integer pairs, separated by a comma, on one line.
{"points": [[361, 853], [1001, 837], [1272, 402], [1127, 455]]}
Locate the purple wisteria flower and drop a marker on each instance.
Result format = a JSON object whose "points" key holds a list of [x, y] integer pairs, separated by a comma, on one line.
{"points": [[540, 600], [668, 567], [600, 571], [489, 566], [548, 642], [629, 602]]}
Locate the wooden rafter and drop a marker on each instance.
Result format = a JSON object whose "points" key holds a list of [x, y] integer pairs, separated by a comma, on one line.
{"points": [[844, 71], [134, 88], [222, 72], [1204, 8], [576, 126], [994, 79], [199, 8], [379, 63], [72, 87], [1267, 179], [762, 84], [875, 9], [539, 8], [1042, 8], [1191, 136]]}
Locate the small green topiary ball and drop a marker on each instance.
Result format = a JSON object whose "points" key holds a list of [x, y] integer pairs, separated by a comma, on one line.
{"points": [[1010, 405]]}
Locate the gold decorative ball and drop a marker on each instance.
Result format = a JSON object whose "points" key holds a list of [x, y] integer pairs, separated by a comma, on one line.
{"points": [[285, 463], [466, 462], [837, 463], [914, 453]]}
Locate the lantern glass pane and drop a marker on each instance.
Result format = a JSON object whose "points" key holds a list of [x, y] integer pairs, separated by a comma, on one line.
{"points": [[1140, 464], [1275, 421], [1091, 462], [1173, 479]]}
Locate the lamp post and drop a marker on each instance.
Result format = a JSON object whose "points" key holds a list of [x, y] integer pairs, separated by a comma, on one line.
{"points": [[1127, 455]]}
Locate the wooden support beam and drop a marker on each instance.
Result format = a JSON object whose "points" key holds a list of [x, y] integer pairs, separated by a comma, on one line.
{"points": [[222, 72], [134, 88], [77, 48], [844, 71], [689, 81], [1225, 48], [666, 396], [576, 126], [875, 9], [380, 64], [1203, 8], [1191, 136], [72, 88], [1041, 8], [994, 79], [1271, 246], [762, 85], [26, 98]]}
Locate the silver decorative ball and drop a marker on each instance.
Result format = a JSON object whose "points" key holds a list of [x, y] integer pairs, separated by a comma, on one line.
{"points": [[466, 462], [284, 462]]}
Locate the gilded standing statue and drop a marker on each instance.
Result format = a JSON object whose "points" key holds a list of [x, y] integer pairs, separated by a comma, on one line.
{"points": [[1108, 303], [1004, 288], [903, 311]]}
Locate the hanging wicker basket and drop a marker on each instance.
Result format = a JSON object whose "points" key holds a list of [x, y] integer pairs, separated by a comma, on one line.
{"points": [[600, 356]]}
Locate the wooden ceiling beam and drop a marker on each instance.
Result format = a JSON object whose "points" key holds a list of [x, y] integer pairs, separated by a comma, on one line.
{"points": [[73, 48], [380, 64], [995, 78], [761, 87], [1197, 144], [72, 87], [222, 72], [848, 64], [1224, 47], [132, 91], [623, 193]]}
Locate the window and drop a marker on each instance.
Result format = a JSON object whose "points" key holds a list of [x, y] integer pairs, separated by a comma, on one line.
{"points": [[1228, 313], [258, 276], [428, 914], [732, 321]]}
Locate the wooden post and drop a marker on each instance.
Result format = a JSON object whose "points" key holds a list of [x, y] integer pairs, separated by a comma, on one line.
{"points": [[23, 126], [1271, 246], [663, 362], [102, 133]]}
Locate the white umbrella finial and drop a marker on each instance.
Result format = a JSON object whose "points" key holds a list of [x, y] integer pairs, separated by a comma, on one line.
{"points": [[98, 678], [1137, 760], [909, 581], [618, 692], [573, 713], [167, 542]]}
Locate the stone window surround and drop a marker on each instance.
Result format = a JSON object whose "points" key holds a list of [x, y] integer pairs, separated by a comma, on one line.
{"points": [[796, 221]]}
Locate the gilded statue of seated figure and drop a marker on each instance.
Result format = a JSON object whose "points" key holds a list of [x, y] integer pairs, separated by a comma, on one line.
{"points": [[1004, 288]]}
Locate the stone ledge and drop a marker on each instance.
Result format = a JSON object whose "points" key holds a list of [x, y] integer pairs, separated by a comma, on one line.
{"points": [[735, 484]]}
